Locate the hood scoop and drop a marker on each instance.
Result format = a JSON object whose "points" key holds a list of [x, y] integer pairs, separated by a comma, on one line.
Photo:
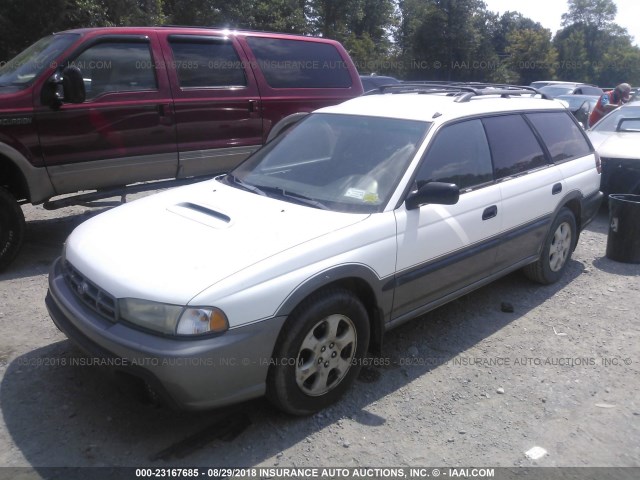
{"points": [[201, 214]]}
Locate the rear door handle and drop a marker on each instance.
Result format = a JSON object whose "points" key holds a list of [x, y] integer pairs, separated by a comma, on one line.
{"points": [[557, 188], [490, 212]]}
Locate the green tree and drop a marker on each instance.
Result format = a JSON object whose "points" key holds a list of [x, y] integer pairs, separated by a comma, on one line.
{"points": [[600, 50], [507, 23], [531, 55], [22, 22], [596, 13], [127, 12], [445, 39], [574, 63], [271, 15]]}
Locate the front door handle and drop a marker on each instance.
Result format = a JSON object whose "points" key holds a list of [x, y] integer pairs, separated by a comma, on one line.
{"points": [[165, 114], [490, 212]]}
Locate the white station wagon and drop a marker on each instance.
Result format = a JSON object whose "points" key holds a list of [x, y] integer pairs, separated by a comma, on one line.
{"points": [[279, 277]]}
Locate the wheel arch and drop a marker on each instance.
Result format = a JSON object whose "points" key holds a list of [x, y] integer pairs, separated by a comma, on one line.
{"points": [[21, 178], [362, 282], [572, 201]]}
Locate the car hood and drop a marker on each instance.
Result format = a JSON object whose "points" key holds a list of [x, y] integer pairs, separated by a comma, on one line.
{"points": [[171, 246], [616, 144]]}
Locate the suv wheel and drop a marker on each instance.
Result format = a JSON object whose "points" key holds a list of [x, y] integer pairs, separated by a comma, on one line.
{"points": [[319, 352], [11, 228], [556, 251]]}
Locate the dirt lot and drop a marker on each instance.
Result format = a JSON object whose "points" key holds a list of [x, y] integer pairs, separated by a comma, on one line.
{"points": [[467, 385]]}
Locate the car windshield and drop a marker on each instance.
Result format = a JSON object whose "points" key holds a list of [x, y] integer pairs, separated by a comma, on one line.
{"points": [[346, 163], [26, 66], [625, 119]]}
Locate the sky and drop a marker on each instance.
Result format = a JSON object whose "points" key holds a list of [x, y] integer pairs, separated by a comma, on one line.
{"points": [[549, 13]]}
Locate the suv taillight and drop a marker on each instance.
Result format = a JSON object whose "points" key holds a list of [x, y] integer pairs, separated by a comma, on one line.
{"points": [[598, 162]]}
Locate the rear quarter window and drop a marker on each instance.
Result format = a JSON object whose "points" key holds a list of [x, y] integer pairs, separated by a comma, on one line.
{"points": [[562, 136], [300, 64]]}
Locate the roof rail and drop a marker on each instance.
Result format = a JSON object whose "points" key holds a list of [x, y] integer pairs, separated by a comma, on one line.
{"points": [[463, 91]]}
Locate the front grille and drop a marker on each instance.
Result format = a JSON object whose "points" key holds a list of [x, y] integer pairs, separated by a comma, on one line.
{"points": [[90, 294]]}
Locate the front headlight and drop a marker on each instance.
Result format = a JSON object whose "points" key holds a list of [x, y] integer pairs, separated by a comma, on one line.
{"points": [[173, 319]]}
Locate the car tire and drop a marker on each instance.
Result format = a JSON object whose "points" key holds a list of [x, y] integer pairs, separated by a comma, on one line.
{"points": [[556, 251], [12, 228], [318, 354]]}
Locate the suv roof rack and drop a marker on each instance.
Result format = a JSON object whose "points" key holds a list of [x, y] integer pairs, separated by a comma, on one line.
{"points": [[463, 92]]}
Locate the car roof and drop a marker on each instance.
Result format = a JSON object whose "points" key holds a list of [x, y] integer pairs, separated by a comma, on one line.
{"points": [[569, 84], [438, 106], [195, 30]]}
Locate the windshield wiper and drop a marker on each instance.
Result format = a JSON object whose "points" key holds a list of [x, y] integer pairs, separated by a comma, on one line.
{"points": [[294, 196], [264, 190], [246, 186]]}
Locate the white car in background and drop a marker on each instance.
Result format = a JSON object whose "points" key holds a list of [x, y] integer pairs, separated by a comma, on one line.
{"points": [[280, 276], [616, 138]]}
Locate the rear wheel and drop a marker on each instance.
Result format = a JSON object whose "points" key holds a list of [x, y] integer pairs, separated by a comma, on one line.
{"points": [[11, 228], [556, 251], [319, 352]]}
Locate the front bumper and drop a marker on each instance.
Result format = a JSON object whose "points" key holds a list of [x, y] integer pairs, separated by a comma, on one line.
{"points": [[193, 374]]}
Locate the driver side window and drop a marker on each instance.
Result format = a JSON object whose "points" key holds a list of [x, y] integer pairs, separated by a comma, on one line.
{"points": [[459, 154], [110, 67]]}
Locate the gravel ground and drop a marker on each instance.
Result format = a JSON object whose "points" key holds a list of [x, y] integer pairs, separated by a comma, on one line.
{"points": [[470, 384]]}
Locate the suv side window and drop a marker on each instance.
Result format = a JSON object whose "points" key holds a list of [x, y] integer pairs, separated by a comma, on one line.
{"points": [[300, 64], [563, 137], [459, 154], [116, 67], [206, 62], [514, 147]]}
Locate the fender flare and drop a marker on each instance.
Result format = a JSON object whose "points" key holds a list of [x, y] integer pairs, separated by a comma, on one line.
{"points": [[36, 179], [380, 289]]}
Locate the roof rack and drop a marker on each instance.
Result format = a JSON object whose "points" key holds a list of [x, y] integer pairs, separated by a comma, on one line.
{"points": [[463, 92]]}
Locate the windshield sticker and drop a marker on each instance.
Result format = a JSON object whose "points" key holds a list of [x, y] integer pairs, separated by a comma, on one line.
{"points": [[355, 193], [371, 197]]}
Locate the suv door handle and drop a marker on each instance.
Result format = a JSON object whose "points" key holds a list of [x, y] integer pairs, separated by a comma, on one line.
{"points": [[490, 212], [557, 188], [253, 106], [165, 114]]}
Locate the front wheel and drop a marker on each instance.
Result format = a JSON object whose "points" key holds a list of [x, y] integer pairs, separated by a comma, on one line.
{"points": [[11, 228], [556, 251], [317, 356]]}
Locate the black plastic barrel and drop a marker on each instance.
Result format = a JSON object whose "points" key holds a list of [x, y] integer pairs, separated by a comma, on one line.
{"points": [[623, 242]]}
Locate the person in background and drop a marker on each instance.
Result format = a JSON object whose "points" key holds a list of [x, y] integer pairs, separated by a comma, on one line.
{"points": [[610, 101]]}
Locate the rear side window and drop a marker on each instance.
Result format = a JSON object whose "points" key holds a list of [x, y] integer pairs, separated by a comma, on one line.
{"points": [[300, 64], [514, 147], [116, 67], [206, 62], [588, 90], [459, 154], [561, 135]]}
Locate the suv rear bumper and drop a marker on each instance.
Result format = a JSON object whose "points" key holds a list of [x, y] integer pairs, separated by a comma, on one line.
{"points": [[192, 374], [590, 206]]}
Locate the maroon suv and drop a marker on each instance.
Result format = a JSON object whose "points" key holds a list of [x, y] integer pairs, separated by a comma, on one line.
{"points": [[103, 108]]}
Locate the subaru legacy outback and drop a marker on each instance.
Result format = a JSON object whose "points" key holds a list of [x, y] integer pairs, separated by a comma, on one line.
{"points": [[278, 278]]}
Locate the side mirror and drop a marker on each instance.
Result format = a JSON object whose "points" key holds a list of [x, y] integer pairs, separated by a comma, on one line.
{"points": [[66, 86], [438, 193], [73, 85]]}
